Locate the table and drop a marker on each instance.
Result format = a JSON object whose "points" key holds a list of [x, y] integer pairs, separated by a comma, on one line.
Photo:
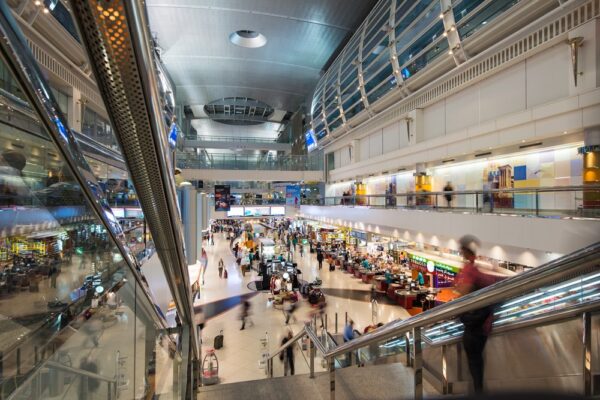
{"points": [[405, 298], [381, 284], [391, 291], [367, 277]]}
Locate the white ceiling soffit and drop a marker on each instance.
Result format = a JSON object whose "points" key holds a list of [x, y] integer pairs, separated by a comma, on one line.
{"points": [[208, 127], [277, 115], [301, 36], [198, 111]]}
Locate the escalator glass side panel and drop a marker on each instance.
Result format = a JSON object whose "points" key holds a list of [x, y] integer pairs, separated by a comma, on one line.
{"points": [[68, 299]]}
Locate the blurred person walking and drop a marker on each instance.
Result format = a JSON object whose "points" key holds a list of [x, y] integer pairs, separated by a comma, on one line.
{"points": [[288, 355], [221, 266], [477, 323]]}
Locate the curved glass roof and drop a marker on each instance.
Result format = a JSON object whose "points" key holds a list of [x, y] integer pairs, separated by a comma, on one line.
{"points": [[398, 39]]}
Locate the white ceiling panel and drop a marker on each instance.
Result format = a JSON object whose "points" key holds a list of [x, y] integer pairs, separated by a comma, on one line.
{"points": [[301, 35]]}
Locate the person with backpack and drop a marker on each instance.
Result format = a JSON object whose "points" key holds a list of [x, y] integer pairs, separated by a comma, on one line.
{"points": [[320, 258]]}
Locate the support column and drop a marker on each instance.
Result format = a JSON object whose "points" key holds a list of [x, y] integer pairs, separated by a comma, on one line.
{"points": [[75, 110], [189, 217], [591, 167]]}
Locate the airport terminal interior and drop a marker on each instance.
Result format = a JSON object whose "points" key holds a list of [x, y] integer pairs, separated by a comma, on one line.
{"points": [[299, 199]]}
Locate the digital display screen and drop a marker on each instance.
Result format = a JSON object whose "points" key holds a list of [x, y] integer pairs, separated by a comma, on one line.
{"points": [[256, 211], [119, 212], [134, 213], [235, 212], [277, 210], [311, 140]]}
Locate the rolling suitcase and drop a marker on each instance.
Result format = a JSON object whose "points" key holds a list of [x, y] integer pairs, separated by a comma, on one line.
{"points": [[219, 341]]}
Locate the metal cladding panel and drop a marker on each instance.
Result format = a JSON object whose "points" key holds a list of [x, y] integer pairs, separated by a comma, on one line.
{"points": [[115, 38]]}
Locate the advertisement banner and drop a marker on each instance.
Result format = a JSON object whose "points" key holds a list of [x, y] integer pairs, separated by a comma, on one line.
{"points": [[222, 197], [292, 195]]}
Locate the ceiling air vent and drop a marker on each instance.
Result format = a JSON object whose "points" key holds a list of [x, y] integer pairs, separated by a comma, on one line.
{"points": [[487, 153], [526, 146]]}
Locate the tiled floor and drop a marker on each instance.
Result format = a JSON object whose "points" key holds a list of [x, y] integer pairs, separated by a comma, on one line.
{"points": [[238, 359]]}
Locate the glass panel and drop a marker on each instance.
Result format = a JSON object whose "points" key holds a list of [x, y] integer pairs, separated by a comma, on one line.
{"points": [[335, 124], [465, 7], [485, 16], [441, 47], [69, 301], [382, 59], [381, 76], [382, 89], [409, 35], [379, 49], [349, 79], [349, 100], [376, 33], [354, 109], [428, 37], [403, 19], [333, 116]]}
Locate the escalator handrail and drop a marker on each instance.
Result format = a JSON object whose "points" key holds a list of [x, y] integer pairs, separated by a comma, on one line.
{"points": [[536, 321], [538, 277]]}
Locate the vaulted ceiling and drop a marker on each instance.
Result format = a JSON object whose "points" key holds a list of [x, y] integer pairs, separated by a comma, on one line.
{"points": [[302, 36]]}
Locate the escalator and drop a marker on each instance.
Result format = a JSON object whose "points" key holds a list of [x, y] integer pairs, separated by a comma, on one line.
{"points": [[79, 319], [545, 338]]}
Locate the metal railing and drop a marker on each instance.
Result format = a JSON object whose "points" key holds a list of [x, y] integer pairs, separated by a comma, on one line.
{"points": [[251, 162], [539, 201], [411, 329]]}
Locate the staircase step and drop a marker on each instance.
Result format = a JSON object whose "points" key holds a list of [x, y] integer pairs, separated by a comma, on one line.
{"points": [[379, 382]]}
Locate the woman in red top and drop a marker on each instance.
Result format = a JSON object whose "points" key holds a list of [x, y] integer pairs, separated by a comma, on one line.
{"points": [[477, 323]]}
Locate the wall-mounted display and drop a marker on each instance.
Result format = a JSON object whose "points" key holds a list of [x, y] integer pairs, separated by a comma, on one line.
{"points": [[277, 210], [134, 213], [256, 211], [222, 197]]}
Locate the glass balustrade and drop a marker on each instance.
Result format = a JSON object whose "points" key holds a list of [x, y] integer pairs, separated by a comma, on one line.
{"points": [[76, 322], [250, 162], [566, 201]]}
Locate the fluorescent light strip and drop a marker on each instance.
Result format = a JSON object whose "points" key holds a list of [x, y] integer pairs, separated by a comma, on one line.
{"points": [[521, 299]]}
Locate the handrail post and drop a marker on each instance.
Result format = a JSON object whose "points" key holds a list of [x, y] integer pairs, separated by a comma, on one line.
{"points": [[418, 364], [537, 203], [312, 350], [336, 322], [444, 370], [587, 354], [407, 345], [476, 202], [331, 378]]}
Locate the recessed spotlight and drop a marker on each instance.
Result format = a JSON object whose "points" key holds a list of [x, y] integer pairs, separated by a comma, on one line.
{"points": [[248, 38], [46, 11], [564, 132], [38, 3], [523, 141], [450, 52]]}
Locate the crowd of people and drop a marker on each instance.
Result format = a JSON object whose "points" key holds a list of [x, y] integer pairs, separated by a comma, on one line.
{"points": [[477, 324]]}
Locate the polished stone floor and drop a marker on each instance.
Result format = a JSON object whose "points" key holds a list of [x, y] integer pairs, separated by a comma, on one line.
{"points": [[221, 299]]}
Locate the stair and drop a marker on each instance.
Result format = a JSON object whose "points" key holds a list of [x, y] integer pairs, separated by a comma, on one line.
{"points": [[379, 382]]}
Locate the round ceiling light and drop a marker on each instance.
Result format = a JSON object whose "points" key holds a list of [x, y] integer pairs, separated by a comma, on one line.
{"points": [[248, 38]]}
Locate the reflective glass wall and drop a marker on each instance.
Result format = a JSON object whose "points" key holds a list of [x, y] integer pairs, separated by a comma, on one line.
{"points": [[76, 322]]}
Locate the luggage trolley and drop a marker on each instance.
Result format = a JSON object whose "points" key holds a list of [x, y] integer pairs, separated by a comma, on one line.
{"points": [[210, 368]]}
